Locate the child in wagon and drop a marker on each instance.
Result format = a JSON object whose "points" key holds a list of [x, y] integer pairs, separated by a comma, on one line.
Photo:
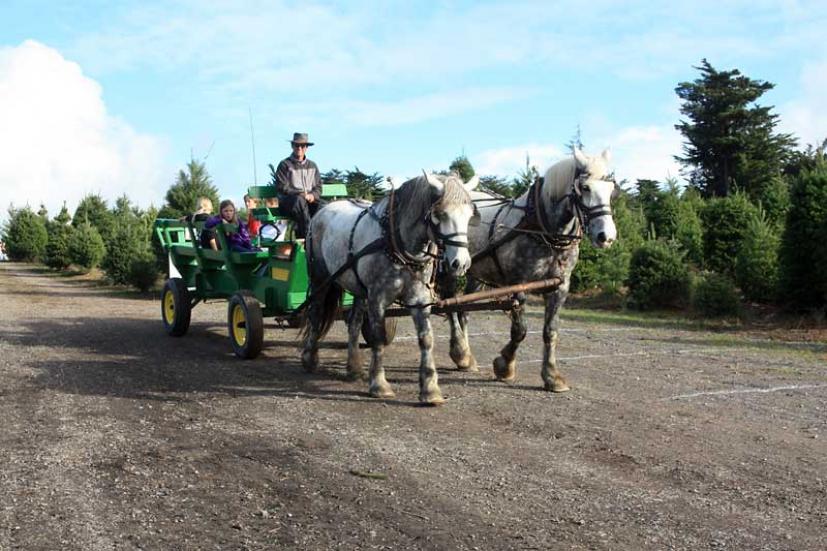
{"points": [[239, 241]]}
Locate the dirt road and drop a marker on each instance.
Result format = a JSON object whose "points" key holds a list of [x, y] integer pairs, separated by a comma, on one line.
{"points": [[115, 436]]}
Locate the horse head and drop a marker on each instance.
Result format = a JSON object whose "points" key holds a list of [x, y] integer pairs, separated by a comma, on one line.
{"points": [[594, 190], [450, 217]]}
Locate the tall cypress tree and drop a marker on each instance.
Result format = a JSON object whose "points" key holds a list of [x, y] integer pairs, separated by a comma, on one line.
{"points": [[731, 141]]}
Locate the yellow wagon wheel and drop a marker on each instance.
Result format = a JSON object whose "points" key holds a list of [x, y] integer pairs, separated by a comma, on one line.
{"points": [[176, 308], [246, 325]]}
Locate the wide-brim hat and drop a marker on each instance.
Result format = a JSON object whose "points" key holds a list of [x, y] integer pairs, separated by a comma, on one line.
{"points": [[300, 139]]}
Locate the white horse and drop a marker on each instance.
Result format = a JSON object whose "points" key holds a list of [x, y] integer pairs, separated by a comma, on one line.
{"points": [[535, 237], [384, 253]]}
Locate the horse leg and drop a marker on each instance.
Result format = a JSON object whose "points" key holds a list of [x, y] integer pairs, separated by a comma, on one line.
{"points": [[429, 392], [505, 365], [460, 349], [379, 387], [310, 353], [552, 378], [354, 353]]}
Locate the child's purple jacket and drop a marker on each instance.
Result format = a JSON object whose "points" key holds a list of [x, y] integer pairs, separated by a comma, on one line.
{"points": [[239, 241]]}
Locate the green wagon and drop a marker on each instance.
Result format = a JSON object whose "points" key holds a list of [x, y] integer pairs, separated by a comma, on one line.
{"points": [[271, 283]]}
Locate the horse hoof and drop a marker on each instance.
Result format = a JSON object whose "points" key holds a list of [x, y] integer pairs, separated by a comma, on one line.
{"points": [[465, 362], [355, 375], [471, 366], [381, 392], [557, 386], [504, 371], [433, 399], [310, 362]]}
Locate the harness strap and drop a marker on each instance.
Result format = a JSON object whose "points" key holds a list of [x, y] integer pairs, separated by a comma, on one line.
{"points": [[353, 260], [491, 249]]}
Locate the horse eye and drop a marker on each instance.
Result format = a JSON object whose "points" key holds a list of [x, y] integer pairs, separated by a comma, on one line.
{"points": [[586, 189]]}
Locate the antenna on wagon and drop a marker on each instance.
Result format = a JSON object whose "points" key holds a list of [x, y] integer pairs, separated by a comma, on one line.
{"points": [[253, 141]]}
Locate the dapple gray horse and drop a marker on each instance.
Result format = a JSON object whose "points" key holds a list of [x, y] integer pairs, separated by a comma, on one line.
{"points": [[534, 237], [384, 253]]}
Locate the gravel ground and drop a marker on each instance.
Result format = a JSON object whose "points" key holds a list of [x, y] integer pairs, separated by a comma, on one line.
{"points": [[115, 436]]}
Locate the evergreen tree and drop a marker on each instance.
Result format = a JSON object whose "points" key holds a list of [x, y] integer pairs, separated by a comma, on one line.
{"points": [[804, 242], [192, 183], [731, 142], [462, 166], [25, 235], [332, 176], [364, 186], [726, 220], [93, 209], [525, 178], [575, 142], [57, 245], [63, 216], [757, 262], [129, 240], [86, 247], [496, 185]]}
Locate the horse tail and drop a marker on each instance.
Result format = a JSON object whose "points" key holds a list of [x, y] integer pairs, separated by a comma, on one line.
{"points": [[323, 308]]}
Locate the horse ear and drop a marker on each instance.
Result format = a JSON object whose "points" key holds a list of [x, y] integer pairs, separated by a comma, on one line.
{"points": [[607, 155], [580, 157], [472, 184], [434, 181]]}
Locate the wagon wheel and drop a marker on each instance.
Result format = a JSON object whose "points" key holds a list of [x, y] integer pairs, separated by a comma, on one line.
{"points": [[176, 308], [245, 324], [390, 330]]}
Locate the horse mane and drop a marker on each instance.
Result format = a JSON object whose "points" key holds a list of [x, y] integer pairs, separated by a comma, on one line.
{"points": [[416, 196], [559, 177]]}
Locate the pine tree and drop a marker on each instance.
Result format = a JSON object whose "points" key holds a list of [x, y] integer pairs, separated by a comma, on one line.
{"points": [[462, 166], [803, 254], [93, 209], [364, 186], [496, 185], [731, 142], [24, 235], [192, 183], [524, 178]]}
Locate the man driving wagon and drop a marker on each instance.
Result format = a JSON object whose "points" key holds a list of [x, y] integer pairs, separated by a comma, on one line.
{"points": [[299, 185]]}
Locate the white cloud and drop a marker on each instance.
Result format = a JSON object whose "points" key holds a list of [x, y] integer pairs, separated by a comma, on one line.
{"points": [[645, 152], [58, 142], [508, 161], [806, 116], [637, 152]]}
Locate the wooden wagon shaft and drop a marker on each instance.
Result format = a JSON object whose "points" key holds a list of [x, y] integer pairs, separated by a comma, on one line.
{"points": [[452, 304], [500, 292]]}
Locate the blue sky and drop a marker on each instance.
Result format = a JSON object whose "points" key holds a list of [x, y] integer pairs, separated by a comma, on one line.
{"points": [[113, 97]]}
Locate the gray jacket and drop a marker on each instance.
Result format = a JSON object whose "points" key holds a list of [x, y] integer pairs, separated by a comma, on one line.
{"points": [[294, 177]]}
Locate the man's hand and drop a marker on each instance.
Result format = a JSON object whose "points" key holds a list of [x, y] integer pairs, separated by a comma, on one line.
{"points": [[309, 197]]}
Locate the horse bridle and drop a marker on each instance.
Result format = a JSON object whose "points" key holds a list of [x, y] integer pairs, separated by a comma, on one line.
{"points": [[399, 254], [584, 213]]}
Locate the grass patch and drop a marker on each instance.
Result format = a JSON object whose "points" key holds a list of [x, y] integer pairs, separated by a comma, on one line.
{"points": [[650, 320]]}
